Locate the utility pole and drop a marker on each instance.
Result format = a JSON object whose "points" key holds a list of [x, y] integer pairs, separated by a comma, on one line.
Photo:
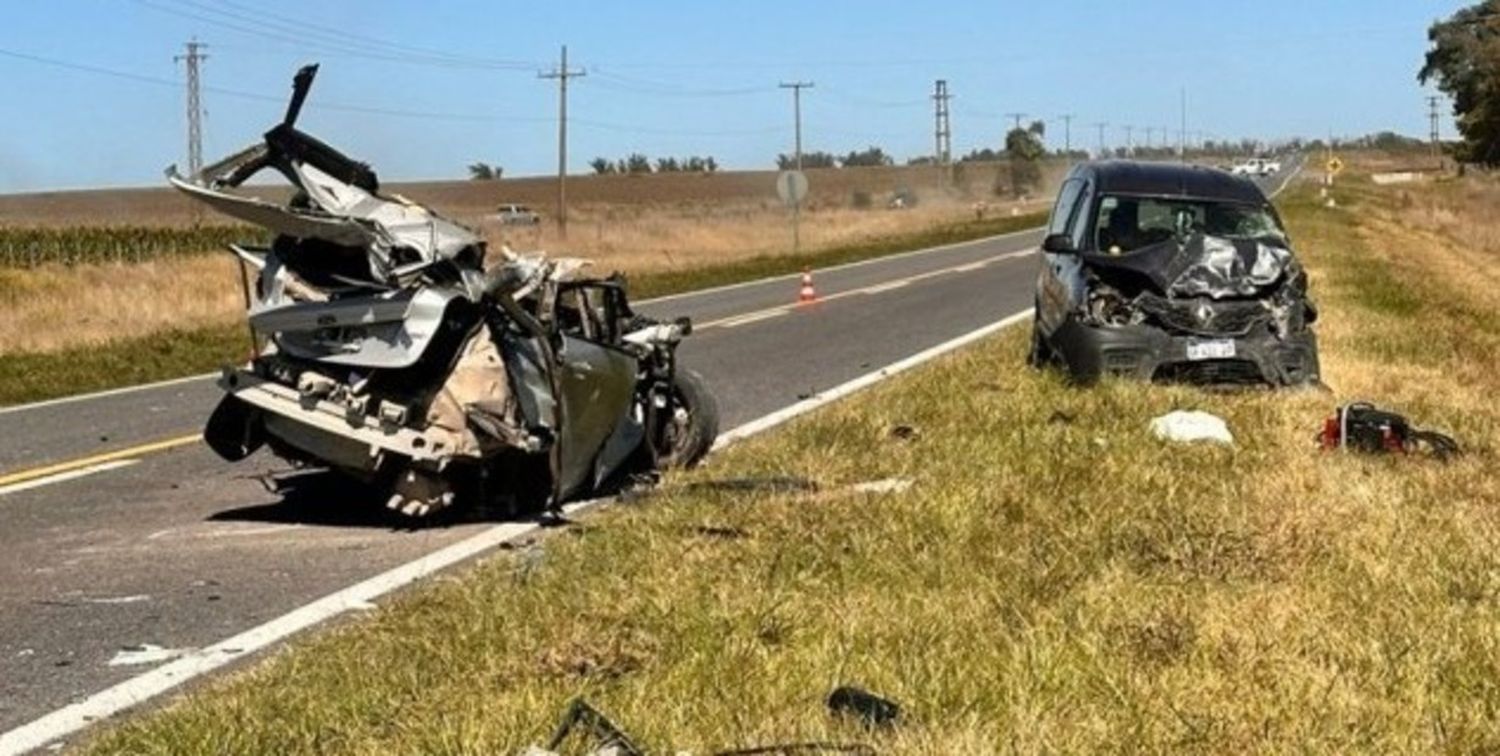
{"points": [[562, 73], [1129, 143], [1100, 126], [194, 105], [1067, 119], [1182, 125], [942, 133], [1017, 117], [1432, 117], [1149, 129], [797, 87]]}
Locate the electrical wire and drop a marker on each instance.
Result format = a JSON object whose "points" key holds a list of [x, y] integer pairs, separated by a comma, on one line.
{"points": [[325, 47]]}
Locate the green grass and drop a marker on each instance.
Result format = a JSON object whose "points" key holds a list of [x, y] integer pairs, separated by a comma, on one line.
{"points": [[29, 377], [1055, 580]]}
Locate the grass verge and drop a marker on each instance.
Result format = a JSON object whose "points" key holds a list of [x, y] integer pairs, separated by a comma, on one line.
{"points": [[27, 376], [1054, 579]]}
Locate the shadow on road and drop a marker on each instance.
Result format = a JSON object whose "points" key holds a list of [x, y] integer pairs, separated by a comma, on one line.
{"points": [[321, 498]]}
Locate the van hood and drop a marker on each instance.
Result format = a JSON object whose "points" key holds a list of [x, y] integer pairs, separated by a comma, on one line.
{"points": [[1201, 266]]}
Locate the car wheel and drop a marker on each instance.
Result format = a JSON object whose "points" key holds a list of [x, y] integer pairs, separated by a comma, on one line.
{"points": [[694, 423]]}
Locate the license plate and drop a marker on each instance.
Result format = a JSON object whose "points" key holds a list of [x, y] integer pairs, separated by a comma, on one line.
{"points": [[1219, 349]]}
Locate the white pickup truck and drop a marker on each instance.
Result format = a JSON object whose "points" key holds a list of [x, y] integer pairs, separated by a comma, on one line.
{"points": [[1256, 167]]}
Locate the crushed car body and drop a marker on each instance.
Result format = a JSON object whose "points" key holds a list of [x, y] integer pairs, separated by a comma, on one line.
{"points": [[386, 350], [1171, 273]]}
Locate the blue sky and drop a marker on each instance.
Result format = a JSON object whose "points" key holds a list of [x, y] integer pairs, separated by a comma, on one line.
{"points": [[457, 78]]}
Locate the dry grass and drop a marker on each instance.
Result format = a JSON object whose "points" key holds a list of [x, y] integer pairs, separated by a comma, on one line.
{"points": [[56, 307], [1055, 580]]}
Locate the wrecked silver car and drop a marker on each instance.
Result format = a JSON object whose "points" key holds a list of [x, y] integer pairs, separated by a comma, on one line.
{"points": [[386, 350], [1171, 273]]}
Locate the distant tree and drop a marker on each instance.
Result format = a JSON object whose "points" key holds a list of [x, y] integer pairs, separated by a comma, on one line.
{"points": [[1024, 149], [602, 166], [787, 162], [637, 163], [1464, 62], [710, 165], [921, 160], [667, 165], [981, 155], [485, 172], [870, 156]]}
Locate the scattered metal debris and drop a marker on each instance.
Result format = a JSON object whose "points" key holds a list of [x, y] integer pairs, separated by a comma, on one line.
{"points": [[872, 710], [1189, 426], [609, 740]]}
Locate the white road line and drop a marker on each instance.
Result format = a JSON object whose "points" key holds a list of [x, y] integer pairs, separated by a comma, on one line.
{"points": [[59, 724], [753, 317], [844, 266], [102, 394], [868, 379], [972, 266], [876, 289], [64, 476]]}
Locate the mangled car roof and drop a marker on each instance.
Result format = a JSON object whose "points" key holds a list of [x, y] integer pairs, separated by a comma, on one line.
{"points": [[337, 201]]}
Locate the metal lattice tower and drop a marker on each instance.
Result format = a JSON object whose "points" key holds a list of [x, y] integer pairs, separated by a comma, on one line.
{"points": [[1433, 134], [1067, 119], [942, 133], [193, 57]]}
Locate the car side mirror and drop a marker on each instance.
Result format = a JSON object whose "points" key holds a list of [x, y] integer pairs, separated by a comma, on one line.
{"points": [[1059, 244]]}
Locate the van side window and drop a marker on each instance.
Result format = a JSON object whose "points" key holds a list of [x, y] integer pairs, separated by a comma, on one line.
{"points": [[1067, 200]]}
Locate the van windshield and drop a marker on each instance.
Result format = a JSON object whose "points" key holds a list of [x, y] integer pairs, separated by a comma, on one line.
{"points": [[1128, 223]]}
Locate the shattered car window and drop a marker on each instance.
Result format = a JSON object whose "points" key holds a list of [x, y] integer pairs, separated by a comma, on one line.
{"points": [[1125, 223]]}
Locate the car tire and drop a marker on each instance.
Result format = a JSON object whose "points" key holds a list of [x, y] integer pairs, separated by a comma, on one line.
{"points": [[692, 439]]}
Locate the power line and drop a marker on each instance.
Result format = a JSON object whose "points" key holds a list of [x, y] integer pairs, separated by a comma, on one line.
{"points": [[665, 89], [353, 49], [345, 34], [562, 73], [1017, 117]]}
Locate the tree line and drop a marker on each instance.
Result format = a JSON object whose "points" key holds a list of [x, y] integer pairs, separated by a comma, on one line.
{"points": [[638, 163]]}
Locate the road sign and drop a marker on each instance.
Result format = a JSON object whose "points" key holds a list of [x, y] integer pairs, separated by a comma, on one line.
{"points": [[1335, 165], [791, 187]]}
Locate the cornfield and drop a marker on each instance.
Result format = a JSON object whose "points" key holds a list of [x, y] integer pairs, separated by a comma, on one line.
{"points": [[31, 247]]}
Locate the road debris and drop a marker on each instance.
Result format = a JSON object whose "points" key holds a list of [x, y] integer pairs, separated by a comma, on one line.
{"points": [[1363, 427], [883, 486], [906, 433], [1189, 426], [872, 710], [145, 653]]}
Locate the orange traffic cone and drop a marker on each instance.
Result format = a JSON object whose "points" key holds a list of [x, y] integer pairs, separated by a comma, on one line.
{"points": [[807, 294]]}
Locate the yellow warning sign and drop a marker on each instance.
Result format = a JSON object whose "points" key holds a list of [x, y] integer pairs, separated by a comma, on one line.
{"points": [[1335, 165]]}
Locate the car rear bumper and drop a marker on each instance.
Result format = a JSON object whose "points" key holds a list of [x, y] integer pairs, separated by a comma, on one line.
{"points": [[1152, 354]]}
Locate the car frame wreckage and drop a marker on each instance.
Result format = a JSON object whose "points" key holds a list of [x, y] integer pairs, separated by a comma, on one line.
{"points": [[384, 348], [1171, 273]]}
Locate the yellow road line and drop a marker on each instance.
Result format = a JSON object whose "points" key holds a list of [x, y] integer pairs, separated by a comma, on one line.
{"points": [[74, 464]]}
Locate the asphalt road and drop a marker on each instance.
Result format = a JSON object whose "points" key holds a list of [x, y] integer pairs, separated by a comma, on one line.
{"points": [[178, 550]]}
